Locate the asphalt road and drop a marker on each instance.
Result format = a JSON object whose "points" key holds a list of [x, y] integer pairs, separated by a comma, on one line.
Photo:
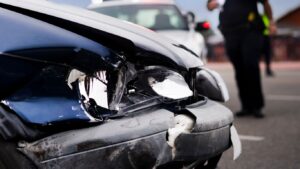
{"points": [[272, 142]]}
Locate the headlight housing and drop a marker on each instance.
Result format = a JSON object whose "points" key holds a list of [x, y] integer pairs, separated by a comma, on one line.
{"points": [[210, 84]]}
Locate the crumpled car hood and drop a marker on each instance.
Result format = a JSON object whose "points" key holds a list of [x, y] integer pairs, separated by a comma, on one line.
{"points": [[112, 29]]}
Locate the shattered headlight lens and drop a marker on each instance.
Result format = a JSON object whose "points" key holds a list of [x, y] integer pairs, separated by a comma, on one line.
{"points": [[168, 83]]}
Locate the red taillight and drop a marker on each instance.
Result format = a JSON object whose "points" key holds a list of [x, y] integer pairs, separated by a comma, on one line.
{"points": [[206, 25], [202, 26]]}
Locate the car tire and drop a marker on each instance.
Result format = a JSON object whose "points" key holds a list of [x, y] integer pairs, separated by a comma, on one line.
{"points": [[11, 158]]}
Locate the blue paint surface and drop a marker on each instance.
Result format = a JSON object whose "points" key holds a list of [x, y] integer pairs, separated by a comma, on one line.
{"points": [[48, 110], [47, 99]]}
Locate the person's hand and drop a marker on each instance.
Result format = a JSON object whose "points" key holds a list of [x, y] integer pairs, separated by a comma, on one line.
{"points": [[273, 28], [212, 4]]}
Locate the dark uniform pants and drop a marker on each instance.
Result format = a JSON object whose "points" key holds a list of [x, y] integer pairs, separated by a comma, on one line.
{"points": [[267, 50], [244, 50]]}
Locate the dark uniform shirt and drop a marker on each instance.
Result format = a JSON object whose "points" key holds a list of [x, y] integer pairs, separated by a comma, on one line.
{"points": [[238, 14]]}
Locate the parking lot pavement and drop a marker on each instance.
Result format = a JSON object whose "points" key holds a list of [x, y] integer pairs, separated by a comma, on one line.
{"points": [[272, 142]]}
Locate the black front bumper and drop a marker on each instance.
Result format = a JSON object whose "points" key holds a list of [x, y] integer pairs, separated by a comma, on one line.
{"points": [[139, 141]]}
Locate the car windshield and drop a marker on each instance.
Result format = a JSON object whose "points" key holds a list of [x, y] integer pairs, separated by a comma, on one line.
{"points": [[155, 17]]}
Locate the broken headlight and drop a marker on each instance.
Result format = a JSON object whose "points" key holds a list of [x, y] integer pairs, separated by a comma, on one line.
{"points": [[167, 83]]}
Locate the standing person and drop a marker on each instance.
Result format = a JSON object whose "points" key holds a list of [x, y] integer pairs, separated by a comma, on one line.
{"points": [[267, 48], [241, 26]]}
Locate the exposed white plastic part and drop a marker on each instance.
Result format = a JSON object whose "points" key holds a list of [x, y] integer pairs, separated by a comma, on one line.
{"points": [[183, 124], [98, 90], [236, 143], [74, 75]]}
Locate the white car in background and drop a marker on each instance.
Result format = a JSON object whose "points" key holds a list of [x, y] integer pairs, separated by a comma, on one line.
{"points": [[162, 16]]}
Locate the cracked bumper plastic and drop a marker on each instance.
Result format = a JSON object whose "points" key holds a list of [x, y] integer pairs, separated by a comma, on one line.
{"points": [[138, 141]]}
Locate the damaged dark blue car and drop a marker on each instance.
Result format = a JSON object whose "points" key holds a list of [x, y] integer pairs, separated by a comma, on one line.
{"points": [[83, 90]]}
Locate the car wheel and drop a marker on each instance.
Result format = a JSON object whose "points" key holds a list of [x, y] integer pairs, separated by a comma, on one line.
{"points": [[11, 158]]}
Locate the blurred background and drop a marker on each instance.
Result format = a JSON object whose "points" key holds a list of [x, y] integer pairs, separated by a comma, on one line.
{"points": [[286, 45]]}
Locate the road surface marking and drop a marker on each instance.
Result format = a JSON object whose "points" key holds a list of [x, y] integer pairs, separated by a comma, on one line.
{"points": [[251, 138], [283, 97]]}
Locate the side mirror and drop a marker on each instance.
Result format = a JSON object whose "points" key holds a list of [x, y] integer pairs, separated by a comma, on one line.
{"points": [[190, 17], [210, 84], [202, 26]]}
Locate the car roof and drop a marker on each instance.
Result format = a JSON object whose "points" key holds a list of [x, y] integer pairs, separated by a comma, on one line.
{"points": [[131, 2]]}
